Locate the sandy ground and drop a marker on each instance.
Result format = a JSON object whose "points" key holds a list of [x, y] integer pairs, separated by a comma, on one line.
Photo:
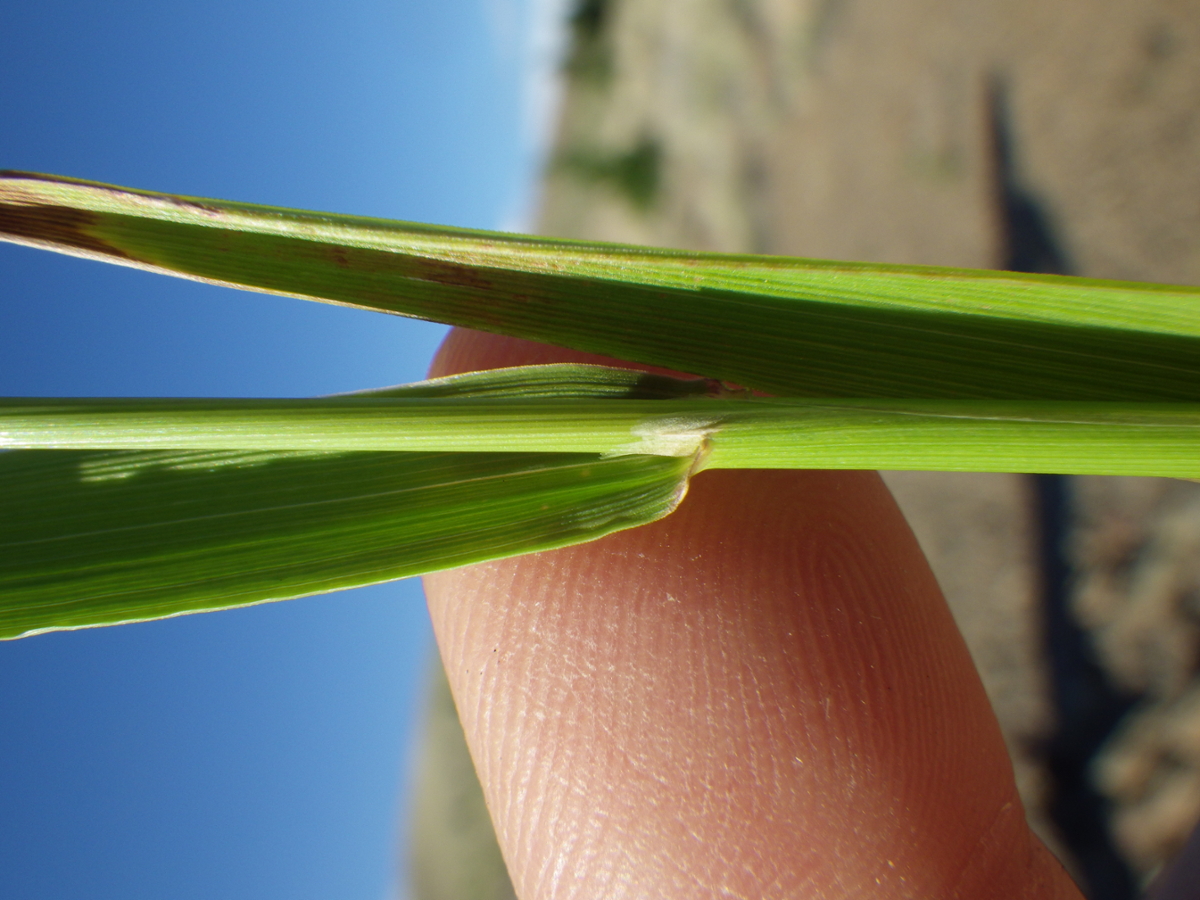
{"points": [[869, 129]]}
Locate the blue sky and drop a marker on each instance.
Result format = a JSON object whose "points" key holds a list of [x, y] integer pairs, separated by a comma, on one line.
{"points": [[260, 752]]}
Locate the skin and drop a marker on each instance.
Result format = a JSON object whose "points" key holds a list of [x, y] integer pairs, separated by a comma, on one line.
{"points": [[763, 695]]}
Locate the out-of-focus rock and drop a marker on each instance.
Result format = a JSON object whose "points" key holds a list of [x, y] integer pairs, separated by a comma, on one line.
{"points": [[1137, 549]]}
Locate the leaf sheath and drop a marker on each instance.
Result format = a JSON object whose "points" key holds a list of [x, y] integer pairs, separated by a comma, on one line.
{"points": [[1003, 436]]}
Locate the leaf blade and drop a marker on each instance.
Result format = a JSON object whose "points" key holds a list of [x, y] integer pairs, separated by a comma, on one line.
{"points": [[93, 538], [794, 327]]}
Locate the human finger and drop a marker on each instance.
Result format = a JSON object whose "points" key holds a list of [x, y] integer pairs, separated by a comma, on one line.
{"points": [[763, 695]]}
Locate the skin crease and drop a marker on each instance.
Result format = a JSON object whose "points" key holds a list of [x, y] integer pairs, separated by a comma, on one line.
{"points": [[763, 695]]}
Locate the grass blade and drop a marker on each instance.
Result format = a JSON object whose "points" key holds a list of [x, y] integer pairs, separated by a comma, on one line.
{"points": [[792, 327], [955, 435], [93, 538]]}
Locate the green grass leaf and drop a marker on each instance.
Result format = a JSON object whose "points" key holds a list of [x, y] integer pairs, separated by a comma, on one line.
{"points": [[94, 538], [529, 410], [786, 326], [163, 507]]}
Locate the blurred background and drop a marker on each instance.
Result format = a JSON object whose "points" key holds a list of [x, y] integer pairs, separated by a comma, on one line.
{"points": [[269, 751]]}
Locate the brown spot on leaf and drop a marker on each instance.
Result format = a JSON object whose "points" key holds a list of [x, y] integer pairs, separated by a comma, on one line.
{"points": [[450, 273], [54, 225]]}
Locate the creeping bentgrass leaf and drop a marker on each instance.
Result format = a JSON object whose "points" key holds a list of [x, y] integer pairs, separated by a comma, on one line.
{"points": [[91, 538], [786, 326], [994, 371], [1068, 437]]}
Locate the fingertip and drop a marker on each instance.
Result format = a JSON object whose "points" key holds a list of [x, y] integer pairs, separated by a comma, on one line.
{"points": [[468, 350], [762, 695]]}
